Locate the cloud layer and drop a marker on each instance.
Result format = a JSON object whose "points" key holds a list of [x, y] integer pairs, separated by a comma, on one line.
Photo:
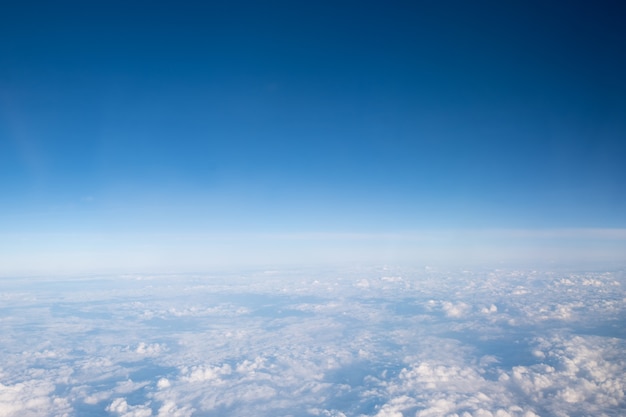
{"points": [[363, 342]]}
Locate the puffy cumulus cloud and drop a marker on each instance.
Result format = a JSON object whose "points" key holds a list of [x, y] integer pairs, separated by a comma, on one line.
{"points": [[206, 386], [249, 396], [32, 399], [120, 407], [249, 386], [440, 389], [205, 373], [489, 310], [564, 311], [163, 383], [439, 376], [456, 310], [170, 409], [577, 376], [325, 413], [97, 397], [152, 349], [121, 387], [395, 407], [249, 368], [438, 407], [585, 376]]}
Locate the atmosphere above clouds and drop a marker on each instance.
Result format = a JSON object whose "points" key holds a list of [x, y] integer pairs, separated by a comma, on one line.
{"points": [[125, 126]]}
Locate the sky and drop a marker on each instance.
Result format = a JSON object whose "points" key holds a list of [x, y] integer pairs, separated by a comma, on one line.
{"points": [[189, 134]]}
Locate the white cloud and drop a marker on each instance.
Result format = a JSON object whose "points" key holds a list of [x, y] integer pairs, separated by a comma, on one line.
{"points": [[121, 407], [432, 343], [489, 310], [326, 413], [31, 398], [456, 310], [170, 409], [152, 349], [394, 407], [205, 373], [581, 379], [164, 383]]}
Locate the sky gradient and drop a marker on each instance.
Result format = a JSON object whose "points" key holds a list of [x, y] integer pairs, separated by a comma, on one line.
{"points": [[190, 134]]}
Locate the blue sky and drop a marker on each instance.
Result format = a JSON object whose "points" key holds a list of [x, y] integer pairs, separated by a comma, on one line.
{"points": [[155, 121]]}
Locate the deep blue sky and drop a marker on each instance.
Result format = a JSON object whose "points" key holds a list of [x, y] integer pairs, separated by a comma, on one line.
{"points": [[272, 117]]}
